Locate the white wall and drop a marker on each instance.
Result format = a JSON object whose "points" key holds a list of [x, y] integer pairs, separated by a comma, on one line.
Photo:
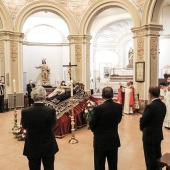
{"points": [[164, 55], [164, 42], [56, 57]]}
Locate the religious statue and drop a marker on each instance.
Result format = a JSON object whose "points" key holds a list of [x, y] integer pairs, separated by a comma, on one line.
{"points": [[130, 58], [45, 72]]}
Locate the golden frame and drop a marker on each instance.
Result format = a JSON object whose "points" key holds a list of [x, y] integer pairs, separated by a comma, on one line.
{"points": [[2, 79], [140, 71]]}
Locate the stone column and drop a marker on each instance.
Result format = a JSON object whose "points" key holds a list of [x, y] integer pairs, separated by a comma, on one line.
{"points": [[80, 55], [146, 50], [11, 60]]}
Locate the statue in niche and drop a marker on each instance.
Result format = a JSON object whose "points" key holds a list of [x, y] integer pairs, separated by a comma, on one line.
{"points": [[45, 73], [130, 58]]}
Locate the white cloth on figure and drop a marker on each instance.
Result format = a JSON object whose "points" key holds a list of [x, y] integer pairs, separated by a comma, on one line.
{"points": [[127, 109], [167, 117], [162, 95]]}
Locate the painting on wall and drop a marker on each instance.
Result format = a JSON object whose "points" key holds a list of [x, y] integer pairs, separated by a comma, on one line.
{"points": [[140, 71], [105, 70], [2, 78]]}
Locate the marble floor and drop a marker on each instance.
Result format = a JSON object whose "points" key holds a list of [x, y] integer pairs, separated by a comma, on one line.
{"points": [[78, 156]]}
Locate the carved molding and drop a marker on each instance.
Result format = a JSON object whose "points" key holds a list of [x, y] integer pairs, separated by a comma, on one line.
{"points": [[2, 51], [154, 47], [140, 33], [139, 4], [154, 31], [78, 51], [140, 48], [76, 7], [14, 50]]}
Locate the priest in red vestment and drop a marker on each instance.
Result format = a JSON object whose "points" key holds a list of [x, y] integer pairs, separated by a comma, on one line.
{"points": [[126, 96]]}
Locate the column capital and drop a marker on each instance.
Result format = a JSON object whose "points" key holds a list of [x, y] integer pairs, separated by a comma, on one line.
{"points": [[11, 36], [147, 30], [79, 39]]}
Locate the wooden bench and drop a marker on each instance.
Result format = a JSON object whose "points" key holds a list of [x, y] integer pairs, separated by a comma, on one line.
{"points": [[164, 161]]}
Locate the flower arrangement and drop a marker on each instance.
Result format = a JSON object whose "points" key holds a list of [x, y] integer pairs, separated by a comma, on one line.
{"points": [[88, 110], [20, 134]]}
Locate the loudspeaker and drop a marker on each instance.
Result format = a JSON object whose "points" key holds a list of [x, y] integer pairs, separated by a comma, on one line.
{"points": [[7, 79]]}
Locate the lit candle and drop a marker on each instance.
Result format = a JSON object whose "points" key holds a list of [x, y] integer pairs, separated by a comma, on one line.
{"points": [[14, 86], [71, 87]]}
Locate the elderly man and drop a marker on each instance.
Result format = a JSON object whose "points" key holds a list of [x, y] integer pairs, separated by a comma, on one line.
{"points": [[40, 143]]}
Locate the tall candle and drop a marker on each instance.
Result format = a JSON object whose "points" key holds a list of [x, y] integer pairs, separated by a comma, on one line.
{"points": [[71, 87], [14, 86]]}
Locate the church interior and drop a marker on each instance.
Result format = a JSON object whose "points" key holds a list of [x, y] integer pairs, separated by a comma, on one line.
{"points": [[95, 43]]}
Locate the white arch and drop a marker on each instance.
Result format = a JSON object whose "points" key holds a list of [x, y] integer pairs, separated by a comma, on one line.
{"points": [[151, 11], [91, 12], [45, 6], [5, 18]]}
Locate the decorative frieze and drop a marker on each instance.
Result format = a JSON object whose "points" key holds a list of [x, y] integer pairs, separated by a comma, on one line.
{"points": [[154, 31], [139, 4], [78, 51], [14, 50], [2, 51], [140, 48], [139, 33], [154, 47]]}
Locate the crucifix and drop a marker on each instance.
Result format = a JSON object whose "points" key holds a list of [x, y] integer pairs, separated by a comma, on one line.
{"points": [[69, 68]]}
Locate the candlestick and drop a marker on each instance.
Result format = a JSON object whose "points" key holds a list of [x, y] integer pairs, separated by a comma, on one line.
{"points": [[73, 140], [14, 86], [71, 87]]}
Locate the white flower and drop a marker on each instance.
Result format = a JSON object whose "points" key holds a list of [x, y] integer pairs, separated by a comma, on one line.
{"points": [[24, 131], [92, 102], [86, 111], [23, 136]]}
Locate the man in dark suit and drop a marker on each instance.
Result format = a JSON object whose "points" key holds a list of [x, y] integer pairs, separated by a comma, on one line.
{"points": [[40, 143], [30, 86], [1, 97], [104, 125], [151, 125]]}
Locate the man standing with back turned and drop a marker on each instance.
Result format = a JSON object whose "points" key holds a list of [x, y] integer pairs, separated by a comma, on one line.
{"points": [[151, 125], [30, 86], [104, 124]]}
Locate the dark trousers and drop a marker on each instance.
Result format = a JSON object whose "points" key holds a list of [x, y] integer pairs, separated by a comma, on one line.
{"points": [[152, 153], [35, 163], [30, 100], [1, 103], [100, 159]]}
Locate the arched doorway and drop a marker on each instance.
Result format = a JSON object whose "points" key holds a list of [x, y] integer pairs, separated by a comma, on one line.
{"points": [[99, 8], [45, 38], [164, 40], [111, 44]]}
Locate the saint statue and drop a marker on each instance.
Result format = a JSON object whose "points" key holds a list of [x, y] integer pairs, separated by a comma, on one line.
{"points": [[45, 72], [130, 58]]}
